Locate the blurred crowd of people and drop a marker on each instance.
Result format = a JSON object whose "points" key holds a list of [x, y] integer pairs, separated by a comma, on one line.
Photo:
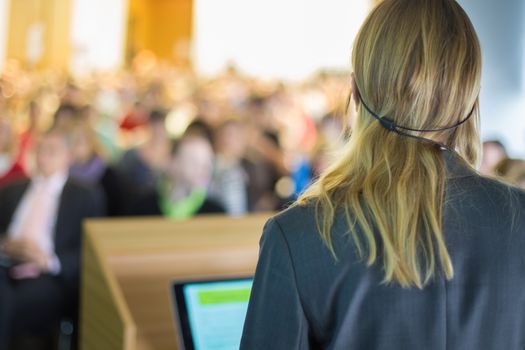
{"points": [[497, 163], [157, 134]]}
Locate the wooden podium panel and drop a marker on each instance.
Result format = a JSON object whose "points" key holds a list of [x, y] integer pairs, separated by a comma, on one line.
{"points": [[129, 265]]}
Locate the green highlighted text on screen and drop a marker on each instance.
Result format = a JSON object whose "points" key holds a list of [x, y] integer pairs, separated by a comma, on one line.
{"points": [[223, 296]]}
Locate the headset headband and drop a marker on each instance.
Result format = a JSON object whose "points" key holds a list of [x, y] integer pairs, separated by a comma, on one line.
{"points": [[390, 125]]}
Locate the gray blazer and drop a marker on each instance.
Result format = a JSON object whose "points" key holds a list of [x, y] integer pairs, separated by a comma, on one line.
{"points": [[303, 299]]}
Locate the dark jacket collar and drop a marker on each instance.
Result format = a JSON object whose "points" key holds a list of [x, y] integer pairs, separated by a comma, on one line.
{"points": [[457, 167]]}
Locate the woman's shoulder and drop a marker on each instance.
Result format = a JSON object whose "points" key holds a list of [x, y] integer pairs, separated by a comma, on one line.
{"points": [[487, 204], [488, 190], [299, 227], [296, 216]]}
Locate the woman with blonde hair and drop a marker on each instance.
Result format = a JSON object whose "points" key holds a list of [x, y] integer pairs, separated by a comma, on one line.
{"points": [[400, 244]]}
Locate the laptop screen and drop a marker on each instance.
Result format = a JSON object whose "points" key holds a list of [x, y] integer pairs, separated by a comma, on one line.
{"points": [[211, 314]]}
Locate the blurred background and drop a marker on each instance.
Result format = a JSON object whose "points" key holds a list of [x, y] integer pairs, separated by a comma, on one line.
{"points": [[278, 71]]}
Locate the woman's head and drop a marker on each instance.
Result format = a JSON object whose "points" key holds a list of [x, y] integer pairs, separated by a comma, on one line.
{"points": [[418, 63]]}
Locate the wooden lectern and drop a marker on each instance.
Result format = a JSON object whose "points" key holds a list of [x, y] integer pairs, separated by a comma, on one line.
{"points": [[129, 264]]}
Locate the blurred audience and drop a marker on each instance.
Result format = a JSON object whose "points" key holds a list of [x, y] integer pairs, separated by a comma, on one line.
{"points": [[40, 231], [65, 116], [263, 131], [136, 117], [142, 165], [230, 181], [511, 171], [264, 162], [493, 152], [11, 168], [91, 167], [183, 190], [28, 136]]}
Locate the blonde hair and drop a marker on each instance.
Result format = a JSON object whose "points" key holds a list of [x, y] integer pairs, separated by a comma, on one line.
{"points": [[419, 63]]}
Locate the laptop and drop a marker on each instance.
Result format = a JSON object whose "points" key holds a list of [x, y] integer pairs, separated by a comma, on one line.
{"points": [[210, 313]]}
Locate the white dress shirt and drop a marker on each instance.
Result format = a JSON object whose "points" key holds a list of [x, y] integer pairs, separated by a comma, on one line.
{"points": [[54, 187], [5, 164]]}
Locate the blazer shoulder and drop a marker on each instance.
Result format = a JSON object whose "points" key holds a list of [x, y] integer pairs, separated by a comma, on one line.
{"points": [[493, 191], [295, 214], [486, 203], [296, 223]]}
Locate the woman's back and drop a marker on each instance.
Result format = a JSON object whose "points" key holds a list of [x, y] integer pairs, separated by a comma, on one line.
{"points": [[304, 299]]}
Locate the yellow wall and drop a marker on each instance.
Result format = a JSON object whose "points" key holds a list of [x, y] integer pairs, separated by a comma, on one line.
{"points": [[159, 26], [54, 16]]}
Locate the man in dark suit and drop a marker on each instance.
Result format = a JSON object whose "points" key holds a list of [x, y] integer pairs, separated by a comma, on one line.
{"points": [[40, 241]]}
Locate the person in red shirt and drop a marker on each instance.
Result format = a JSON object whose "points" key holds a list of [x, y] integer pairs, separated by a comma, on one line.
{"points": [[11, 168]]}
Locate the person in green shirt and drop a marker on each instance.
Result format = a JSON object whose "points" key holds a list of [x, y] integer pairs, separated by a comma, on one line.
{"points": [[182, 191]]}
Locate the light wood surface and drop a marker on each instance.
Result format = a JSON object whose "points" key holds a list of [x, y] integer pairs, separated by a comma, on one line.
{"points": [[106, 319], [129, 266]]}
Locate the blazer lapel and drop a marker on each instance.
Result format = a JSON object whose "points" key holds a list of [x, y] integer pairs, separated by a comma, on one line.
{"points": [[10, 203], [63, 215]]}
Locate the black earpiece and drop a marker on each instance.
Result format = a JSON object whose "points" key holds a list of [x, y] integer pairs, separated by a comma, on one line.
{"points": [[388, 124]]}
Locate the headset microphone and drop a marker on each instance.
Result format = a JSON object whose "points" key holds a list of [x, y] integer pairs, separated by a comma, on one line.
{"points": [[391, 125]]}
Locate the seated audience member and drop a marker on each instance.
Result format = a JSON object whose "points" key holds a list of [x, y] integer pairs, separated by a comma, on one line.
{"points": [[182, 193], [493, 152], [141, 166], [6, 143], [105, 127], [40, 232], [264, 166], [65, 116], [265, 157], [10, 168], [512, 171], [26, 139], [229, 178], [199, 127], [89, 165]]}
